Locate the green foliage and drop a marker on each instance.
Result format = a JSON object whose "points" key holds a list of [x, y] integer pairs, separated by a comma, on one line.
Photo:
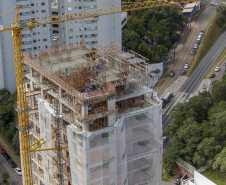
{"points": [[7, 113], [157, 24], [219, 91], [16, 144], [206, 152], [145, 51], [129, 38], [5, 176], [199, 129], [220, 161]]}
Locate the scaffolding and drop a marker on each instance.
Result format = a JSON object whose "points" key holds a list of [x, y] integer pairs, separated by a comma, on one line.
{"points": [[122, 154], [98, 103]]}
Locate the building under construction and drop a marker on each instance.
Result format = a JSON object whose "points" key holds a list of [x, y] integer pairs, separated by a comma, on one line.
{"points": [[98, 105]]}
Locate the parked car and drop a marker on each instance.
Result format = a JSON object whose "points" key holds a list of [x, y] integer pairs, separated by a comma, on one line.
{"points": [[197, 42], [193, 51], [217, 69], [183, 72], [12, 164], [2, 150], [6, 156], [186, 65], [165, 139], [195, 46], [172, 73], [18, 171], [214, 3], [201, 33], [212, 75]]}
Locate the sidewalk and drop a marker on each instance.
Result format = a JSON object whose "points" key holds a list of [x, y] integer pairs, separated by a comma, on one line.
{"points": [[10, 152]]}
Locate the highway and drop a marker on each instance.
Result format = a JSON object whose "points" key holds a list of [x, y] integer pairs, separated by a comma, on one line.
{"points": [[200, 72]]}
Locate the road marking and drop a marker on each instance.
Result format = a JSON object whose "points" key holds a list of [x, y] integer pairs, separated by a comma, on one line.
{"points": [[209, 5], [10, 172]]}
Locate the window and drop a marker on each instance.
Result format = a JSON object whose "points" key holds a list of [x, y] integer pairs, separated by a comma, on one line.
{"points": [[42, 3], [34, 41], [69, 8], [70, 22], [33, 12], [80, 7], [70, 37], [80, 29], [35, 48], [91, 28], [43, 11], [32, 4], [44, 40], [34, 34], [44, 32], [44, 25], [81, 36], [70, 30], [69, 1]]}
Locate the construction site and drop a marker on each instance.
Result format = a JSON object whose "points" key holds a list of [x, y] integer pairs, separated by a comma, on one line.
{"points": [[96, 104]]}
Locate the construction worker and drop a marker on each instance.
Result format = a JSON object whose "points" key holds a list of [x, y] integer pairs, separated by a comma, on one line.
{"points": [[101, 86], [66, 71]]}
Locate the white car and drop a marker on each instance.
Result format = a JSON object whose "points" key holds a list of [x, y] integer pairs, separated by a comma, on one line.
{"points": [[18, 171], [214, 4], [186, 66], [217, 69]]}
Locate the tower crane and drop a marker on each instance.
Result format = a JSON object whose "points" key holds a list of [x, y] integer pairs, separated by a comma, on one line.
{"points": [[22, 106]]}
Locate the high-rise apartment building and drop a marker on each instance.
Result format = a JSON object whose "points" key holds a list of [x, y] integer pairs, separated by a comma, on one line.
{"points": [[91, 31], [98, 105], [40, 38]]}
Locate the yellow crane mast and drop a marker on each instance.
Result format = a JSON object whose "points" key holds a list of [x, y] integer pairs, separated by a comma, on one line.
{"points": [[22, 106]]}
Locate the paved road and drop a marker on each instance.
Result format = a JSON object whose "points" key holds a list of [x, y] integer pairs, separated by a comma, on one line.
{"points": [[15, 179], [200, 72], [184, 55]]}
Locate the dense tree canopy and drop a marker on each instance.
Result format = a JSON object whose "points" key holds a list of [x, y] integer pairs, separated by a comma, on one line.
{"points": [[199, 129], [159, 25], [7, 115]]}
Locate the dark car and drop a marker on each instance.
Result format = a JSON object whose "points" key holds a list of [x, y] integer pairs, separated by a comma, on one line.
{"points": [[6, 156], [1, 150], [183, 72], [193, 51], [12, 164], [212, 75], [172, 73]]}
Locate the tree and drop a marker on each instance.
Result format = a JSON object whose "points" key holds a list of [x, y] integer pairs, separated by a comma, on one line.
{"points": [[206, 152], [145, 51], [5, 176], [136, 25], [129, 38], [218, 126], [218, 91], [220, 161], [15, 143]]}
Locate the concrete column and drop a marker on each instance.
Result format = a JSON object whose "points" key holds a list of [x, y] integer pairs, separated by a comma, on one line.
{"points": [[61, 108], [32, 86], [84, 110], [41, 79], [111, 117], [60, 92]]}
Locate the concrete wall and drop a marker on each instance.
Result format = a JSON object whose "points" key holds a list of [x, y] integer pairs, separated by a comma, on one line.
{"points": [[201, 179]]}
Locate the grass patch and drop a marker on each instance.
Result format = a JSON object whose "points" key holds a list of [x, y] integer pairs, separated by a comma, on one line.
{"points": [[211, 35], [215, 176]]}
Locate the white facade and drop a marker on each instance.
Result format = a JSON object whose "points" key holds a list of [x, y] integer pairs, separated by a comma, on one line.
{"points": [[91, 31], [39, 38]]}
